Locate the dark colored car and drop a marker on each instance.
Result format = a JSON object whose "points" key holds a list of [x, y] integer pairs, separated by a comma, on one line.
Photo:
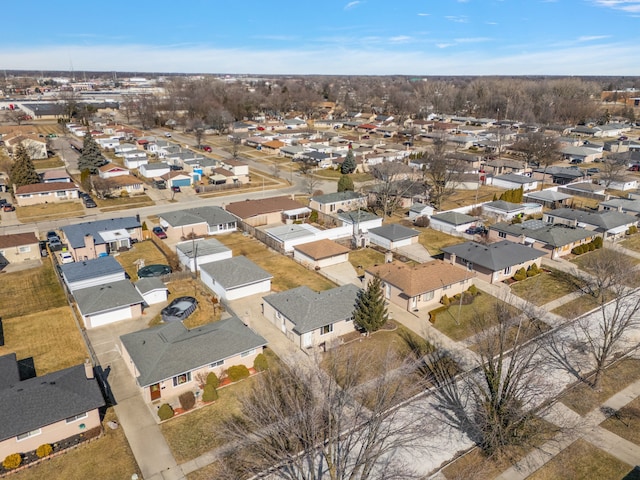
{"points": [[7, 207], [43, 248], [159, 232], [175, 189], [90, 203], [179, 309], [475, 230], [51, 234], [154, 271], [593, 170], [175, 167], [55, 244]]}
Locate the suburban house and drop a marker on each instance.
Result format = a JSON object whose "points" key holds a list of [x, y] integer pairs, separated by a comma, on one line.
{"points": [[35, 146], [360, 220], [512, 181], [312, 319], [152, 290], [235, 278], [56, 175], [549, 198], [554, 240], [623, 184], [177, 179], [268, 211], [90, 240], [153, 170], [334, 202], [135, 161], [124, 183], [46, 409], [611, 224], [581, 154], [239, 169], [89, 273], [197, 222], [111, 170], [502, 210], [452, 222], [320, 254], [624, 205], [393, 236], [123, 148], [39, 193], [418, 210], [18, 247], [108, 303], [419, 286], [494, 262], [195, 253], [167, 359], [587, 189]]}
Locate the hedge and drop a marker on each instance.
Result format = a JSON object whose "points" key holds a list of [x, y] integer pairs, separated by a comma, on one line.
{"points": [[237, 372], [521, 274], [212, 379], [260, 364], [187, 400], [433, 314]]}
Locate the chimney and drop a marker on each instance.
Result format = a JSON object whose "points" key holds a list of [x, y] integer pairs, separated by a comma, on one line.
{"points": [[452, 258], [88, 369], [388, 257]]}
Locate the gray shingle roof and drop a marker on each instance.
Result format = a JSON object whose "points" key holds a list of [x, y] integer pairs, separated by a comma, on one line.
{"points": [[209, 246], [210, 215], [309, 310], [109, 296], [148, 284], [394, 232], [75, 233], [605, 220], [337, 197], [235, 272], [357, 216], [77, 271], [454, 218], [165, 351], [550, 234], [40, 401], [515, 178], [505, 206], [495, 256], [548, 196]]}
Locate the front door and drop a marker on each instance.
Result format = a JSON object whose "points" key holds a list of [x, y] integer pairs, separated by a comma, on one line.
{"points": [[155, 391]]}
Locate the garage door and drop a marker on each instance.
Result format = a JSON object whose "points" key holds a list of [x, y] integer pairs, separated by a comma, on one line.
{"points": [[107, 318], [181, 183]]}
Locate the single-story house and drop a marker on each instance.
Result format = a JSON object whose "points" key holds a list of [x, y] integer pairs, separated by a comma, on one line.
{"points": [[90, 240], [235, 278], [452, 222], [197, 222], [581, 188], [38, 193], [393, 236], [89, 273], [582, 154], [177, 179], [18, 247], [132, 162], [36, 147], [153, 170], [507, 210], [167, 359], [125, 183], [108, 303], [56, 175], [312, 319], [494, 262], [195, 253], [361, 220], [124, 148], [46, 409], [419, 286], [152, 290], [334, 202], [548, 198], [265, 211], [554, 240], [111, 170], [513, 180], [623, 205], [622, 184], [611, 224], [320, 254]]}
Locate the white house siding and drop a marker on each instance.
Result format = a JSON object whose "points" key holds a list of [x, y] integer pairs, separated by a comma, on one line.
{"points": [[214, 257], [235, 293], [100, 319], [154, 297], [512, 185], [388, 244], [92, 282], [152, 173], [448, 227], [322, 263]]}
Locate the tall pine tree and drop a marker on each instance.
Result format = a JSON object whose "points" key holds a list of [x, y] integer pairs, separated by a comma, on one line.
{"points": [[91, 158], [345, 183], [371, 311], [349, 164], [22, 171]]}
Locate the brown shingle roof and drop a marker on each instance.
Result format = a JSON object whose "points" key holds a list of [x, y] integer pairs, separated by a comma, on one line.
{"points": [[223, 172], [45, 187], [422, 278], [123, 180], [275, 144], [17, 239], [321, 249], [251, 208]]}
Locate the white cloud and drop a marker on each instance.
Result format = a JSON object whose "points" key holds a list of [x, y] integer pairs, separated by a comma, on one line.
{"points": [[424, 14], [445, 45], [491, 23], [590, 38], [472, 40], [631, 6], [400, 39], [351, 5], [457, 18]]}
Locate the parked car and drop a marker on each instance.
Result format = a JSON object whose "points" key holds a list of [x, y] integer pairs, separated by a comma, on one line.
{"points": [[623, 138], [206, 148], [3, 201], [593, 170], [43, 248], [576, 161], [55, 244], [66, 257], [159, 232], [179, 309], [90, 202], [51, 234], [167, 134], [475, 230], [175, 167], [634, 168], [154, 271], [7, 207], [175, 189]]}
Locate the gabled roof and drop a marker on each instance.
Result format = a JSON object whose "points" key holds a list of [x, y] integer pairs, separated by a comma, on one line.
{"points": [[250, 208], [202, 248], [504, 206], [109, 296], [309, 310], [515, 178], [548, 196], [55, 174], [605, 220], [162, 352], [358, 216], [321, 249], [235, 272], [210, 215], [99, 267], [17, 239], [419, 279], [394, 232], [337, 197], [495, 256], [46, 187], [454, 218], [41, 401], [149, 284], [547, 233], [75, 233], [419, 207]]}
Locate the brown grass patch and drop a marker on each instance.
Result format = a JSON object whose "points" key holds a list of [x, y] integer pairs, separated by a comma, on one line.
{"points": [[626, 422], [434, 240], [365, 258], [49, 211], [145, 250], [208, 309], [29, 291], [546, 287]]}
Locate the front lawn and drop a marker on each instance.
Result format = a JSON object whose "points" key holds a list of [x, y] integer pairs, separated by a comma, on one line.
{"points": [[626, 422], [433, 240], [576, 307], [49, 211], [30, 291], [632, 243], [462, 198], [118, 203], [146, 251], [287, 273], [331, 174], [546, 287]]}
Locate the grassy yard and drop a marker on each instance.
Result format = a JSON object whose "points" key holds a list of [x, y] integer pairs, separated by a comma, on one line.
{"points": [[109, 455], [626, 423], [31, 291], [118, 203], [458, 321], [462, 198], [287, 273], [146, 251], [434, 240], [53, 162], [581, 460], [365, 258], [632, 243], [582, 398], [49, 211], [581, 261], [546, 287], [206, 312], [53, 340], [206, 473], [331, 174], [578, 306]]}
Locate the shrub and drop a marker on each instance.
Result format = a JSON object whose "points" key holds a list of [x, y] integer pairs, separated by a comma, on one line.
{"points": [[209, 393], [632, 230], [597, 242], [422, 221], [260, 364], [187, 400], [473, 290], [44, 450], [12, 461], [533, 270], [520, 275], [313, 217], [237, 372], [165, 412], [579, 250], [445, 301], [591, 246], [213, 380], [433, 314]]}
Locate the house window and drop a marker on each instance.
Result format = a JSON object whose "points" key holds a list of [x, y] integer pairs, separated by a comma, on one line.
{"points": [[387, 290], [469, 266], [219, 363], [446, 287], [507, 271], [248, 352], [427, 296], [61, 194], [32, 433], [75, 418], [25, 249], [180, 379], [326, 329], [502, 234]]}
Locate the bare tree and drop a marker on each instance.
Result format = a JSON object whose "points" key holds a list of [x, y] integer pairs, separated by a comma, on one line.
{"points": [[441, 172], [613, 168], [308, 423], [393, 181], [16, 116], [309, 180], [538, 148]]}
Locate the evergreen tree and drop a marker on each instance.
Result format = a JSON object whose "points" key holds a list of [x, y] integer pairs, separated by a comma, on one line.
{"points": [[371, 311], [345, 183], [91, 158], [22, 171], [349, 164]]}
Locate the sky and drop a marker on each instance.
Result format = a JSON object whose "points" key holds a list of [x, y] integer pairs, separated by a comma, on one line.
{"points": [[349, 37]]}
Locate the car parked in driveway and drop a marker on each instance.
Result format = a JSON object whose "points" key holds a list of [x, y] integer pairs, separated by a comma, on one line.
{"points": [[179, 309], [66, 257], [55, 244], [43, 248], [478, 230], [7, 207], [159, 232], [175, 189]]}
